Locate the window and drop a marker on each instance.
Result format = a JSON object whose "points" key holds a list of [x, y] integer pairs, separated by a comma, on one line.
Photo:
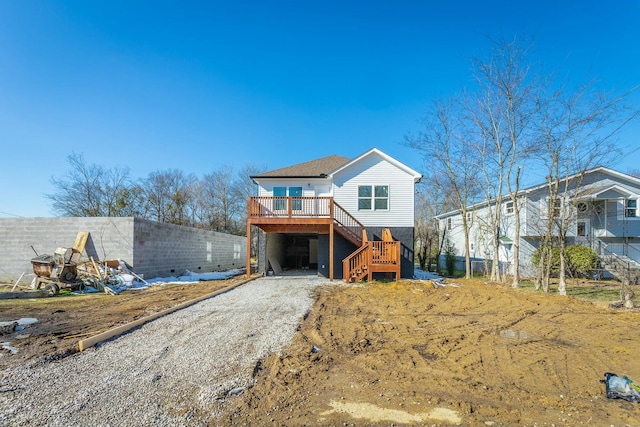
{"points": [[631, 208], [296, 204], [280, 203], [469, 217], [448, 223], [508, 208], [364, 197], [381, 199], [373, 197], [582, 229]]}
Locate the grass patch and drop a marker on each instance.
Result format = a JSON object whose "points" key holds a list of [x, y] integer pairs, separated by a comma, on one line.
{"points": [[608, 291]]}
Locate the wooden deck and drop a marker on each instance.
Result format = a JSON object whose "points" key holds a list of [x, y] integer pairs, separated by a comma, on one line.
{"points": [[323, 215], [379, 256]]}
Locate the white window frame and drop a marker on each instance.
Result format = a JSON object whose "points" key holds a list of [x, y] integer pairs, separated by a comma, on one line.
{"points": [[631, 211], [373, 198], [508, 208]]}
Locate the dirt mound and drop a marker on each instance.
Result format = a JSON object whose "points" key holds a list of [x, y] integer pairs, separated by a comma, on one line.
{"points": [[477, 354]]}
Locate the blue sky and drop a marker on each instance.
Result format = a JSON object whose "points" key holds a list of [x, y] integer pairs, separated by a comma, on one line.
{"points": [[198, 85]]}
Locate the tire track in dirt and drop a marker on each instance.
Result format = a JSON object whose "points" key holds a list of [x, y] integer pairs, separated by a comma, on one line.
{"points": [[486, 353]]}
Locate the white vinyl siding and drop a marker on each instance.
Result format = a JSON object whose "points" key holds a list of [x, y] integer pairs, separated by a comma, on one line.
{"points": [[375, 171], [310, 187]]}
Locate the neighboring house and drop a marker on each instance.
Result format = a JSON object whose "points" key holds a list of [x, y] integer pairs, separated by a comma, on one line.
{"points": [[605, 216], [329, 215]]}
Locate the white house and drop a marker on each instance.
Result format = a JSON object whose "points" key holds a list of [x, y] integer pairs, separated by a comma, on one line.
{"points": [[316, 214], [604, 216]]}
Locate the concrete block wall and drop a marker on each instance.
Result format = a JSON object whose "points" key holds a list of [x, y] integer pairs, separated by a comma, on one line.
{"points": [[162, 250], [153, 249]]}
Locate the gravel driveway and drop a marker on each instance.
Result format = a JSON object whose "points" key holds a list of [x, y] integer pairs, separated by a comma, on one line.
{"points": [[176, 370]]}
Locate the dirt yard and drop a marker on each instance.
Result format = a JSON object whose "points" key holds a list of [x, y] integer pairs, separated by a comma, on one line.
{"points": [[398, 354]]}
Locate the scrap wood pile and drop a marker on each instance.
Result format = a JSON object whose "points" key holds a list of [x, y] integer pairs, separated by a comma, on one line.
{"points": [[66, 270], [112, 276]]}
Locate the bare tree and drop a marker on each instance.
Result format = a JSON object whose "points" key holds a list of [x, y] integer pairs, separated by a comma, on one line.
{"points": [[450, 159], [168, 196], [218, 193], [91, 190], [500, 113], [577, 129], [431, 200]]}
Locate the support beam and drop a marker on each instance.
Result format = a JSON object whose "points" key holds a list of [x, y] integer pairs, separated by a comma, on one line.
{"points": [[331, 251], [248, 249]]}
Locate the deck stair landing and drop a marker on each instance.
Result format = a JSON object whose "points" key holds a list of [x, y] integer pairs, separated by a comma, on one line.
{"points": [[378, 256]]}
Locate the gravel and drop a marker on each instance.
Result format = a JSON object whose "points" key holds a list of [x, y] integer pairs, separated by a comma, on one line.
{"points": [[176, 370]]}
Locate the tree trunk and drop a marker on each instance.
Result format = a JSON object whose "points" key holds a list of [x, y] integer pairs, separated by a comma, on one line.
{"points": [[562, 273]]}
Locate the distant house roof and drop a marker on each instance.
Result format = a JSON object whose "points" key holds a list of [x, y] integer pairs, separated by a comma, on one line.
{"points": [[319, 168], [593, 191]]}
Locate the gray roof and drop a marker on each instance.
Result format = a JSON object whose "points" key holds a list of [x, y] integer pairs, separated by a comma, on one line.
{"points": [[312, 169]]}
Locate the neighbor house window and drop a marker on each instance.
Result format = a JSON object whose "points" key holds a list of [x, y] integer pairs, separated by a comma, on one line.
{"points": [[373, 197], [448, 223], [631, 209], [582, 229], [508, 208]]}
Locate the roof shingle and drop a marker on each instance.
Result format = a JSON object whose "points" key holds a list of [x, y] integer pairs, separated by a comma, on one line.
{"points": [[314, 168]]}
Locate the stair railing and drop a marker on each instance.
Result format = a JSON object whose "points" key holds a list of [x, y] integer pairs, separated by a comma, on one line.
{"points": [[356, 265], [349, 226], [614, 262]]}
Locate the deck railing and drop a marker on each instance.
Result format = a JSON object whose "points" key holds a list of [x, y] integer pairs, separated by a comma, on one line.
{"points": [[289, 207], [385, 252], [306, 207]]}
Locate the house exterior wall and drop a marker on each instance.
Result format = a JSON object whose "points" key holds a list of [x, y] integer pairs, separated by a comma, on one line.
{"points": [[341, 249], [374, 170], [604, 193], [152, 249], [311, 187]]}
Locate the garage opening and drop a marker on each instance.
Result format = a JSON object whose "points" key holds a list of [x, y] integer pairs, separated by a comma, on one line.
{"points": [[293, 251]]}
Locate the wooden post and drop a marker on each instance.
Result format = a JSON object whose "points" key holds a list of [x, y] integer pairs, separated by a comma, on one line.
{"points": [[248, 248], [369, 262]]}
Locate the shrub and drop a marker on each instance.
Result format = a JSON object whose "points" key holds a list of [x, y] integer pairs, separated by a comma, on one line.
{"points": [[450, 258], [580, 260], [555, 259]]}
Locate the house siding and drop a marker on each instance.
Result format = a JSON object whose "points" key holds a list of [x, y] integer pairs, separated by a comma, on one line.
{"points": [[311, 187], [603, 190], [374, 170]]}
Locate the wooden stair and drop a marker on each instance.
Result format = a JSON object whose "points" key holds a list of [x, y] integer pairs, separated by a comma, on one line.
{"points": [[373, 256]]}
